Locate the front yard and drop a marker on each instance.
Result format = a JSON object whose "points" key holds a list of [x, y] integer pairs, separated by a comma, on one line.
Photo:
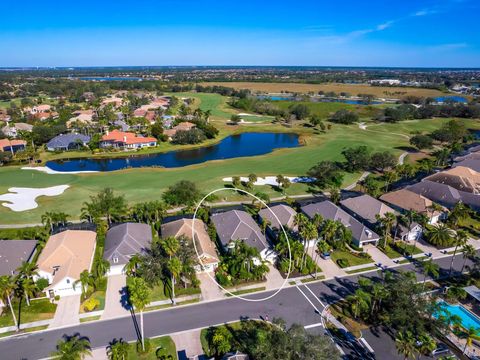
{"points": [[400, 249], [38, 310], [162, 346], [345, 258]]}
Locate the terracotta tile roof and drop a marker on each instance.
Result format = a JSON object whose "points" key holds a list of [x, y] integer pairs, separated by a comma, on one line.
{"points": [[5, 143], [126, 137], [183, 227], [71, 250]]}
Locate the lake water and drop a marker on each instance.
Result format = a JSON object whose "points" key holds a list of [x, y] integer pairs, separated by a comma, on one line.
{"points": [[246, 144], [457, 99], [315, 99]]}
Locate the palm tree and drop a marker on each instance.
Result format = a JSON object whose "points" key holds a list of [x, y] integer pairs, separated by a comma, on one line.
{"points": [[117, 350], [458, 213], [7, 288], [85, 280], [387, 221], [27, 269], [132, 265], [360, 301], [73, 347], [432, 209], [460, 239], [429, 268], [170, 245], [317, 220], [427, 344], [174, 267], [139, 297], [470, 334], [469, 252], [48, 219], [103, 266], [440, 234], [308, 231], [405, 344], [28, 288]]}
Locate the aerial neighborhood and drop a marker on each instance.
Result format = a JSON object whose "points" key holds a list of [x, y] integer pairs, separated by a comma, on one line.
{"points": [[130, 196]]}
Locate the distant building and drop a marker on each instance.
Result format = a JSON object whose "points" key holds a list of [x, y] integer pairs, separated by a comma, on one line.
{"points": [[64, 142], [183, 126], [127, 140], [12, 145], [13, 130]]}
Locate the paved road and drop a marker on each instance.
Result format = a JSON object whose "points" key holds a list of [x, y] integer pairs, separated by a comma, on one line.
{"points": [[294, 304]]}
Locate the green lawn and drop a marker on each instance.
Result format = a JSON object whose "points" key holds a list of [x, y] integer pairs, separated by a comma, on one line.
{"points": [[246, 291], [146, 184], [352, 259], [160, 346], [326, 109], [38, 310], [158, 292], [100, 296]]}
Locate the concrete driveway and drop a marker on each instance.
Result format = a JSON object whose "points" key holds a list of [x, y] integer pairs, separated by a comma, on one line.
{"points": [[188, 344], [209, 288], [68, 308], [116, 297]]}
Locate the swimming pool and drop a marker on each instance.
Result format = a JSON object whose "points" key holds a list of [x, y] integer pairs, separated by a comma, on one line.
{"points": [[468, 318]]}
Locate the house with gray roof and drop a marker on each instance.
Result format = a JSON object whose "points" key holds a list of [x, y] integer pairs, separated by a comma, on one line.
{"points": [[278, 215], [13, 253], [444, 194], [472, 162], [361, 234], [238, 225], [123, 241], [65, 142]]}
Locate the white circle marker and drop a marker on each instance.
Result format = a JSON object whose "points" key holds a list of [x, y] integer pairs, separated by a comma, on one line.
{"points": [[283, 229]]}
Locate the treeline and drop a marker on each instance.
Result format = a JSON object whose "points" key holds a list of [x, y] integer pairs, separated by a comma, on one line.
{"points": [[427, 111]]}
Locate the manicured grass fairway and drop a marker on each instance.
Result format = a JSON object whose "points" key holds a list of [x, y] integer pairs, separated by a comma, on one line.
{"points": [[149, 183]]}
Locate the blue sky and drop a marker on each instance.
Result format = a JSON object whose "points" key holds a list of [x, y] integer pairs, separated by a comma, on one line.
{"points": [[423, 33]]}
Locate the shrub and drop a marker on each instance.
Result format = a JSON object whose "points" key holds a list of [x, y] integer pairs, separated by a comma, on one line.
{"points": [[91, 304], [344, 117], [57, 297], [343, 263], [41, 283]]}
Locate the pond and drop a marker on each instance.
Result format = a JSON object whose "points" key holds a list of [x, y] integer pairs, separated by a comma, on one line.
{"points": [[246, 144], [113, 78], [317, 99], [456, 99]]}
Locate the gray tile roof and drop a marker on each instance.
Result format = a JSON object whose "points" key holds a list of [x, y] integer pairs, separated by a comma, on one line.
{"points": [[444, 194], [13, 253], [125, 240], [329, 210], [63, 141], [238, 225], [366, 207], [472, 163], [284, 213]]}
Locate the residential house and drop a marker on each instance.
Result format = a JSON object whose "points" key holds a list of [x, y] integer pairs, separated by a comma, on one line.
{"points": [[366, 209], [65, 256], [126, 140], [445, 194], [12, 145], [183, 126], [82, 118], [123, 241], [204, 245], [14, 129], [64, 142], [278, 215], [404, 200], [43, 108], [460, 178], [361, 234], [236, 225], [13, 253], [115, 101]]}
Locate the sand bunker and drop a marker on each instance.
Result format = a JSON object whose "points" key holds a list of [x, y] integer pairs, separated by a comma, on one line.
{"points": [[22, 199], [47, 170], [272, 180]]}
